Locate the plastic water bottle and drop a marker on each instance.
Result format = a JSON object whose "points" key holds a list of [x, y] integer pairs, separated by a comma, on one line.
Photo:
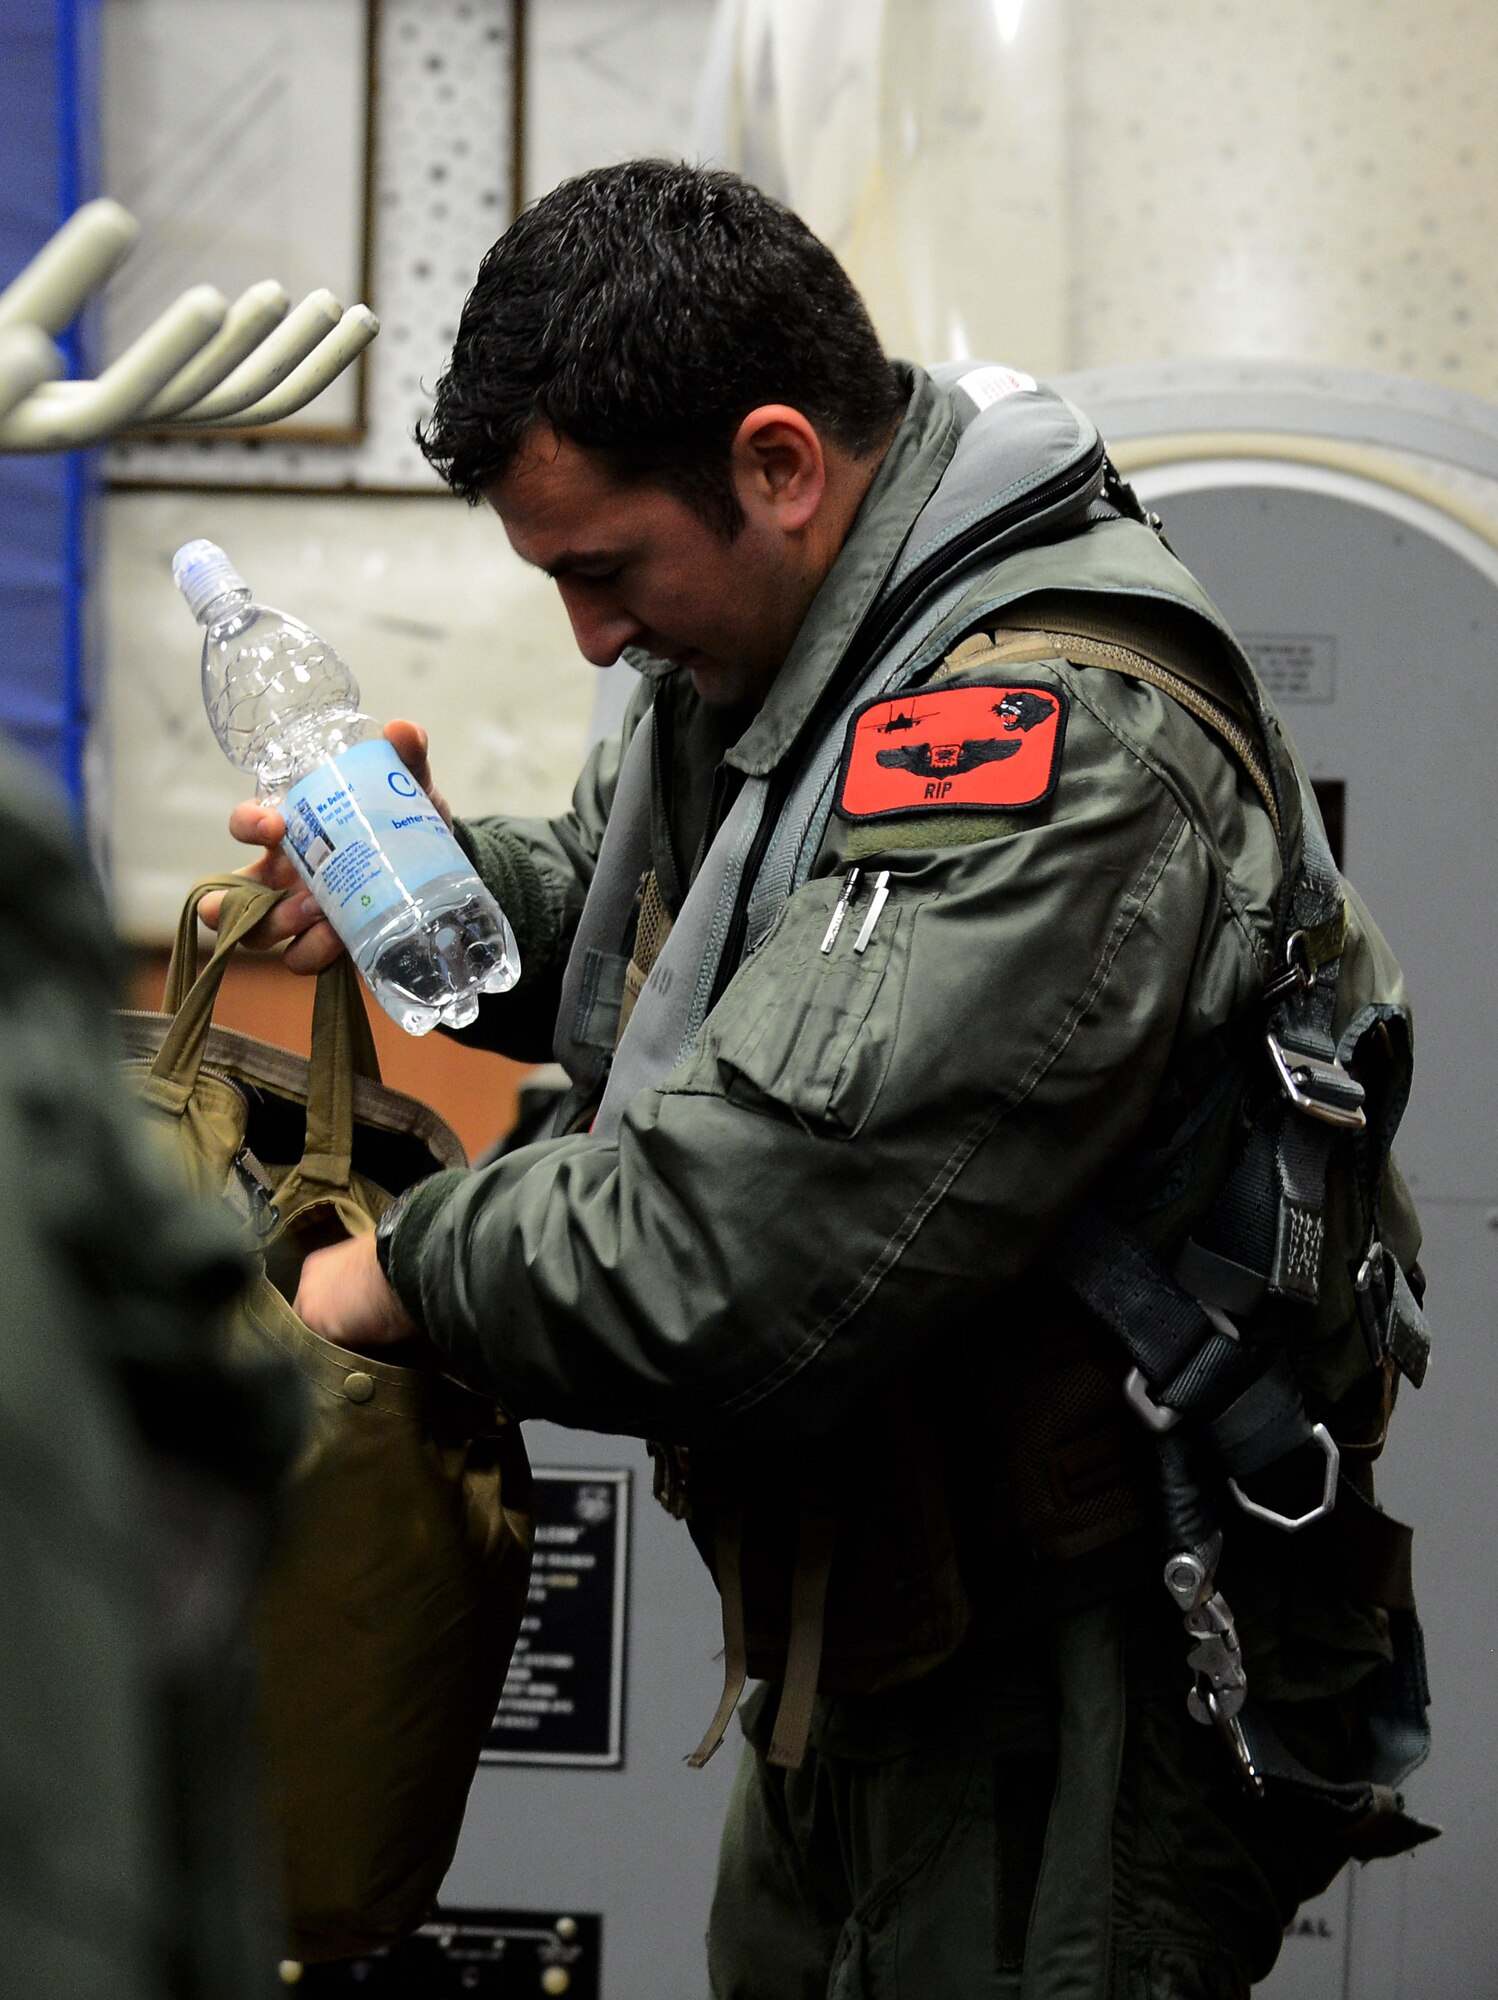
{"points": [[420, 926]]}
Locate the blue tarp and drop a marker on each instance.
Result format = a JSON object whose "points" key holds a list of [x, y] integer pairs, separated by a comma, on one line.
{"points": [[48, 139]]}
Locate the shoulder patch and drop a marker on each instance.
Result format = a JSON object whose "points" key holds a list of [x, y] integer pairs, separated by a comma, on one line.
{"points": [[979, 746]]}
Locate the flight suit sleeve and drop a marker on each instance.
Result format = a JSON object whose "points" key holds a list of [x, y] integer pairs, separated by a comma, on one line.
{"points": [[538, 871], [865, 1146]]}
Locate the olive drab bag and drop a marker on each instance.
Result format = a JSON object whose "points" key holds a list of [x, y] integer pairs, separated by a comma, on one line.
{"points": [[386, 1623]]}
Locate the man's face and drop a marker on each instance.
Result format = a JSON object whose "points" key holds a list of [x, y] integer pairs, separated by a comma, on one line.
{"points": [[637, 567]]}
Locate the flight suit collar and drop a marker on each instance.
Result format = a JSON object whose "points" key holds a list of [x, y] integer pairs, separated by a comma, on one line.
{"points": [[903, 484]]}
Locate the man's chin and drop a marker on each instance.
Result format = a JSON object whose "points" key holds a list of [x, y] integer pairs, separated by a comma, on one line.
{"points": [[711, 682], [725, 683]]}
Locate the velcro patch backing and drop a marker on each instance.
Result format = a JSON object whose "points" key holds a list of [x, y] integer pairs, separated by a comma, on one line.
{"points": [[974, 747]]}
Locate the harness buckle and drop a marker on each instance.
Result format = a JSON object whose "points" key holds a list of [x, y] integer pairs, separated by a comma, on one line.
{"points": [[1159, 1417], [1292, 1524], [1322, 1090]]}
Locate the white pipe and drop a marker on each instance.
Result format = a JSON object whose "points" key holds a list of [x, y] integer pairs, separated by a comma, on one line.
{"points": [[50, 423], [328, 359], [271, 362], [249, 319], [27, 358], [252, 316], [72, 265]]}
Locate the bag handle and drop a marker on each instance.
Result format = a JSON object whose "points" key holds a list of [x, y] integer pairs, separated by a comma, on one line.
{"points": [[343, 1046], [343, 1049], [182, 971], [190, 999]]}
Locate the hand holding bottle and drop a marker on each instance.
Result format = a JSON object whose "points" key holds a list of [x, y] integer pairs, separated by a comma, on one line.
{"points": [[313, 941]]}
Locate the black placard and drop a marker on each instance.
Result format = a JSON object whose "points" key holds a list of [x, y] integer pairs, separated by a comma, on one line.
{"points": [[563, 1702], [471, 1955]]}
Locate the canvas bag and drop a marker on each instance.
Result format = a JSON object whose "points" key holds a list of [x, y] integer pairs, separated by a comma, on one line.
{"points": [[385, 1627]]}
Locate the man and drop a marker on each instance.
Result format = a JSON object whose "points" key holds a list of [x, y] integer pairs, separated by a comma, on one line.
{"points": [[919, 918]]}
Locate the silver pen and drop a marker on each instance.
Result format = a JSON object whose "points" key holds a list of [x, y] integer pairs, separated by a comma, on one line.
{"points": [[850, 890]]}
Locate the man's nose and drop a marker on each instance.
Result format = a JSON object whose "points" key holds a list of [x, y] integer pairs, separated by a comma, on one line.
{"points": [[601, 626]]}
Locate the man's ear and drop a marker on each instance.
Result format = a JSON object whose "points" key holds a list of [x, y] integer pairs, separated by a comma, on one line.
{"points": [[778, 467]]}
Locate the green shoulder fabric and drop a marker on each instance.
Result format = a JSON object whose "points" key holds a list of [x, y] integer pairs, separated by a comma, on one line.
{"points": [[135, 1475]]}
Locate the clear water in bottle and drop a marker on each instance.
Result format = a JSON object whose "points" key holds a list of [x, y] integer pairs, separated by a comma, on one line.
{"points": [[424, 932]]}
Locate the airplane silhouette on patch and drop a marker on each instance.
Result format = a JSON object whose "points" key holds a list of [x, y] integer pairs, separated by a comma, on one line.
{"points": [[960, 764], [900, 721]]}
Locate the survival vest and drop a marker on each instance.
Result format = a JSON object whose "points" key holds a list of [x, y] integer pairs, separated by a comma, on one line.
{"points": [[1263, 1362]]}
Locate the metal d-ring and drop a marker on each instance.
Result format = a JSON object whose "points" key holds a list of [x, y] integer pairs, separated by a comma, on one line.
{"points": [[1284, 1522], [1299, 975]]}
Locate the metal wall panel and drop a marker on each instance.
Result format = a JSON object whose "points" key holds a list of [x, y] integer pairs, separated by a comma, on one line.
{"points": [[637, 1844]]}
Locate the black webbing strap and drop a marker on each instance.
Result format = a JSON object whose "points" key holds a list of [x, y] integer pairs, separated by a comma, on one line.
{"points": [[1262, 1425], [1162, 1329], [1394, 1325], [1406, 1334], [1191, 1364], [1320, 1100], [1368, 1552], [1266, 1229]]}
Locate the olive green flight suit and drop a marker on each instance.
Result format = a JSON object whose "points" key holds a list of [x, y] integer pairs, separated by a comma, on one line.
{"points": [[845, 1188]]}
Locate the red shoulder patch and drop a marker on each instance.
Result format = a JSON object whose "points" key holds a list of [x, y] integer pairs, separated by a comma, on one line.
{"points": [[977, 747]]}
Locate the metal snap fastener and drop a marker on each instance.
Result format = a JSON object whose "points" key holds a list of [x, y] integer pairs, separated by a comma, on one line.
{"points": [[358, 1387]]}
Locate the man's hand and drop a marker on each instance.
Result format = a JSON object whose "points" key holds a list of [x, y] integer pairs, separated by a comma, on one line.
{"points": [[344, 1297], [314, 941]]}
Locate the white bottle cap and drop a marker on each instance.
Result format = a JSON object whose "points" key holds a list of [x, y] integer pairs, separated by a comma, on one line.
{"points": [[203, 574]]}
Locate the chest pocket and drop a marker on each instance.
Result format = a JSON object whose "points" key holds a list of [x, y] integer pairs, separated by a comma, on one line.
{"points": [[807, 1034]]}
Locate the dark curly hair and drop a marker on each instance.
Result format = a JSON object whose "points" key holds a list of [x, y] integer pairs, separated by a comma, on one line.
{"points": [[642, 311]]}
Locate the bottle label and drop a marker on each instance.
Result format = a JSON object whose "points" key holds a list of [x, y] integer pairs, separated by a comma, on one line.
{"points": [[365, 837]]}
